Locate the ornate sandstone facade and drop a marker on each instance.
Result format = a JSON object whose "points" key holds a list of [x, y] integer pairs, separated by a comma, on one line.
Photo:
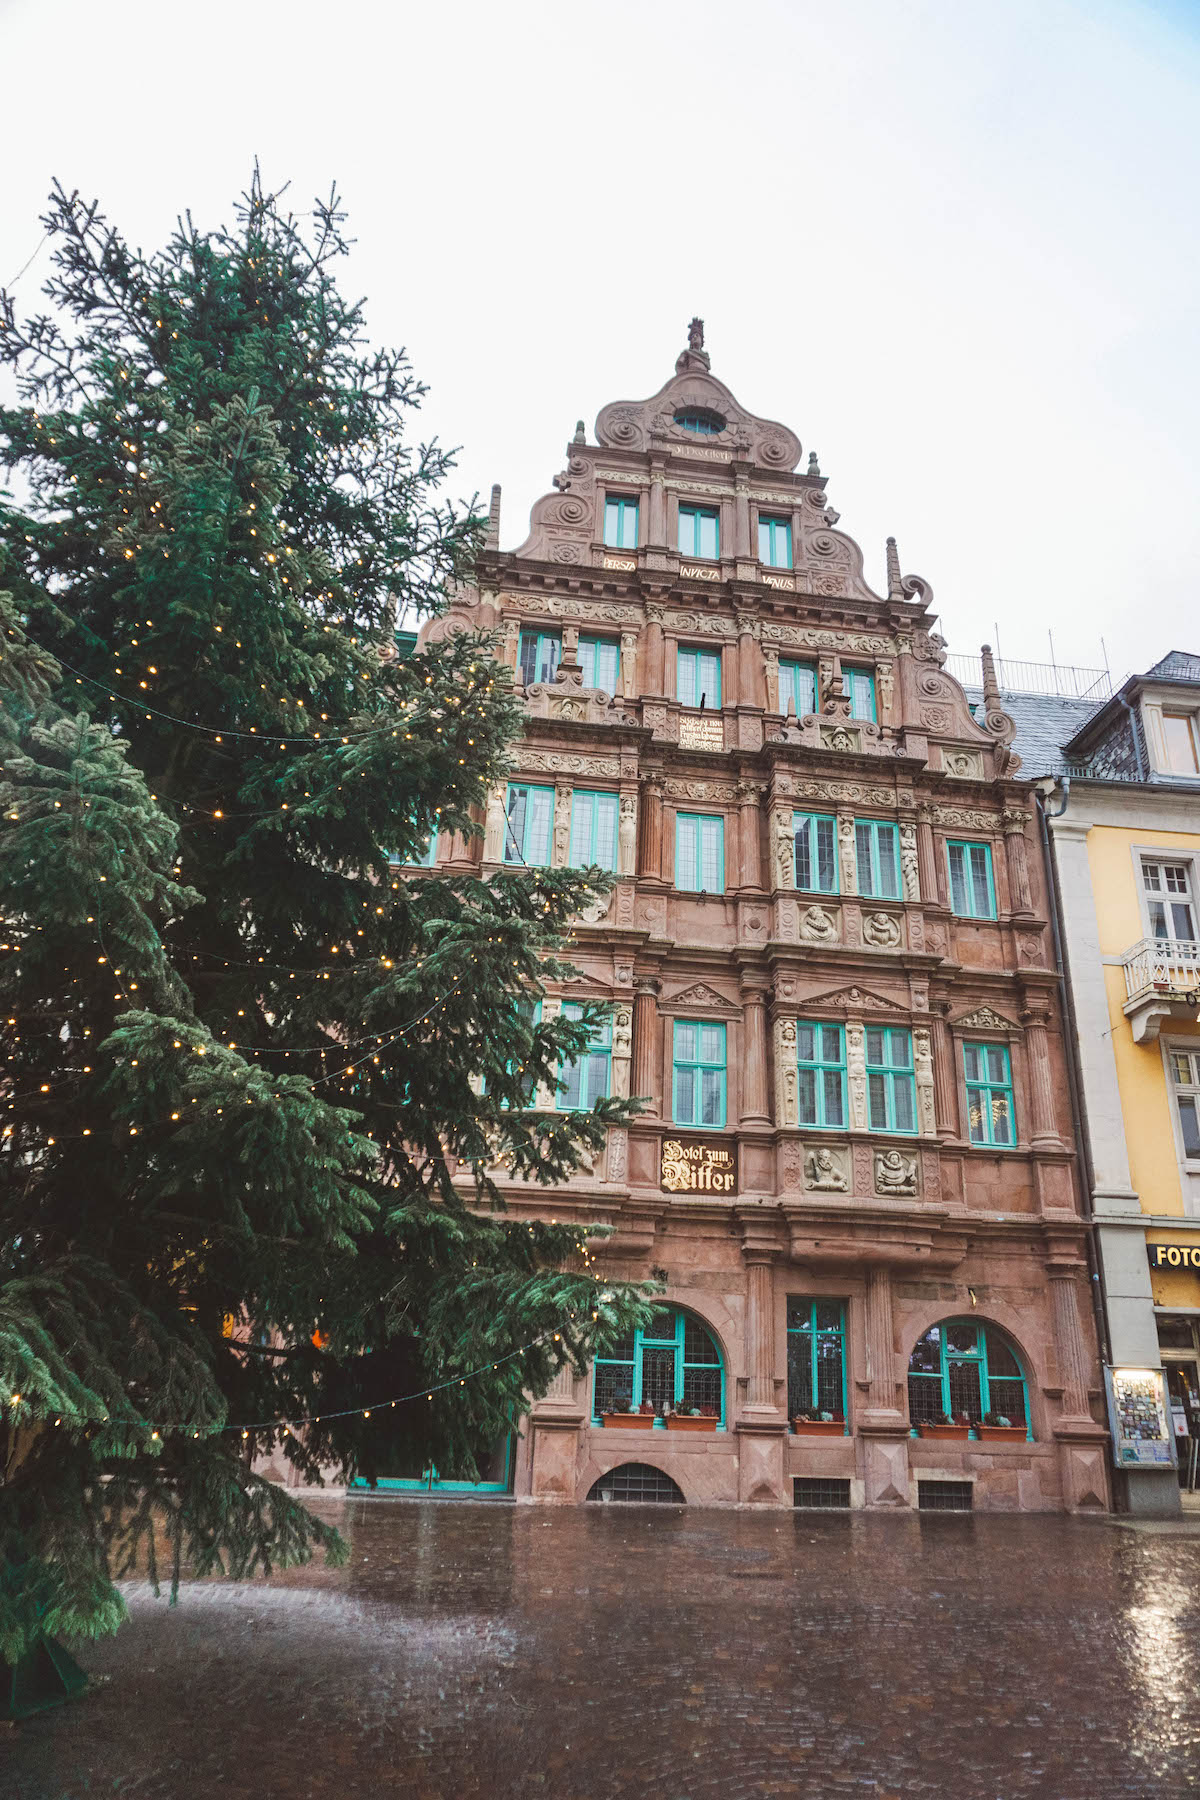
{"points": [[830, 968]]}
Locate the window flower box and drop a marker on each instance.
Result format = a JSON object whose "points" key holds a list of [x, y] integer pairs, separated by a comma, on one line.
{"points": [[631, 1421], [684, 1422], [958, 1433], [1004, 1434], [819, 1427]]}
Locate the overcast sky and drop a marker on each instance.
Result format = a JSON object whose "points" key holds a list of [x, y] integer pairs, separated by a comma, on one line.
{"points": [[952, 245]]}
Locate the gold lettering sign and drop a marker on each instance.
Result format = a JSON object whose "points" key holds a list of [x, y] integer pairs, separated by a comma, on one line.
{"points": [[692, 1165], [1174, 1256], [700, 733]]}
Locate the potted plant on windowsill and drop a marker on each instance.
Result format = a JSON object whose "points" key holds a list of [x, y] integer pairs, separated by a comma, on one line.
{"points": [[814, 1423], [946, 1425], [622, 1417], [995, 1425], [692, 1418]]}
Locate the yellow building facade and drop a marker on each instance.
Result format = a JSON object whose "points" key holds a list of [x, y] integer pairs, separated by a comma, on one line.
{"points": [[1123, 815]]}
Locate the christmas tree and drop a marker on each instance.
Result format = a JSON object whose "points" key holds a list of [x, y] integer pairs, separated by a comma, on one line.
{"points": [[253, 1057]]}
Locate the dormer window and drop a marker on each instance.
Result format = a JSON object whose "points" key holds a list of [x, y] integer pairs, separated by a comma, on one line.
{"points": [[700, 420], [1180, 742]]}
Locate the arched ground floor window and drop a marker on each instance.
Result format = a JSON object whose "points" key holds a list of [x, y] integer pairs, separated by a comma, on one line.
{"points": [[672, 1365], [970, 1371], [637, 1481]]}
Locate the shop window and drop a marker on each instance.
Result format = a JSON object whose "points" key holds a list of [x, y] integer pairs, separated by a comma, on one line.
{"points": [[1169, 901], [988, 1069], [1185, 1084], [891, 1079], [541, 653], [620, 523], [860, 688], [698, 678], [775, 542], [798, 684], [584, 1082], [972, 890], [816, 1338], [600, 663], [700, 853], [530, 814], [969, 1370], [593, 830], [877, 848], [669, 1364], [821, 1067], [699, 532], [816, 853], [699, 1071]]}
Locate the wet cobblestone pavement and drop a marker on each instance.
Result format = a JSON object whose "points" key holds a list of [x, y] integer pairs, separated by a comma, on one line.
{"points": [[472, 1651]]}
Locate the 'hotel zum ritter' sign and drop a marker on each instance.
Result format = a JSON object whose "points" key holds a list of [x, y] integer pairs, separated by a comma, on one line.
{"points": [[694, 1165]]}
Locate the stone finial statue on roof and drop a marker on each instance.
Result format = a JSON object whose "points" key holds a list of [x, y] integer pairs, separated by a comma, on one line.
{"points": [[695, 356]]}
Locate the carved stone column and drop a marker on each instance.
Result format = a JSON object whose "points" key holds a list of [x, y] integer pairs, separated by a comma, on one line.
{"points": [[883, 1426], [945, 1087], [786, 1074], [741, 517], [760, 1333], [1018, 865], [771, 662], [856, 1076], [755, 1103], [750, 683], [657, 538], [1043, 1120], [846, 853], [927, 855], [629, 686], [650, 859], [1069, 1344], [647, 1058], [749, 795], [627, 834], [762, 1425], [560, 854], [923, 1067], [493, 838], [655, 651]]}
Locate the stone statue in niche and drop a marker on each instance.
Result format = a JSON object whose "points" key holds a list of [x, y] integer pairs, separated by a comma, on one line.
{"points": [[823, 1172], [696, 335], [895, 1173], [562, 832], [622, 1034], [908, 862], [880, 929], [849, 862], [785, 850], [817, 926], [627, 834], [841, 739]]}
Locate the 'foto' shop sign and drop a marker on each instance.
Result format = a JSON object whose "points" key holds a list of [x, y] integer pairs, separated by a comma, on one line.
{"points": [[692, 1165]]}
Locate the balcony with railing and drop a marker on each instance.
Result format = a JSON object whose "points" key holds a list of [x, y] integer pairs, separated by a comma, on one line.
{"points": [[1162, 981]]}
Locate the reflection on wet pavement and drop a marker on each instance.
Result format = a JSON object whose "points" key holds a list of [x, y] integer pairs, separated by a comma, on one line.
{"points": [[471, 1651]]}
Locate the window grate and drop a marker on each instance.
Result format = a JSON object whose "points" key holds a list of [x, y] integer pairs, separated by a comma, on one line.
{"points": [[637, 1482], [945, 1496], [815, 1490]]}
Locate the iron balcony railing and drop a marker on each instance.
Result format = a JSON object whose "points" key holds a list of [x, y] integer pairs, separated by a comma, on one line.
{"points": [[1162, 966]]}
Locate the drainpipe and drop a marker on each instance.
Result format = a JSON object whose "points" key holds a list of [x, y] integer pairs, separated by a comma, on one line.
{"points": [[1074, 1071], [1137, 742]]}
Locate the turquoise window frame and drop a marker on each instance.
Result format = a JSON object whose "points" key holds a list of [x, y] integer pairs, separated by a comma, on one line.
{"points": [[798, 1306], [821, 1065], [798, 683], [656, 1338], [983, 1091], [518, 847], [860, 688], [807, 831], [692, 1070], [620, 522], [980, 1358], [432, 1483], [774, 541], [872, 859], [888, 1077], [539, 654], [697, 836], [692, 519], [425, 860], [695, 418], [594, 1067], [595, 819], [974, 861], [594, 654], [694, 670]]}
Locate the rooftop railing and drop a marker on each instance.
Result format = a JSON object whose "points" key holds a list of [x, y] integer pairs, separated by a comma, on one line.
{"points": [[1062, 680]]}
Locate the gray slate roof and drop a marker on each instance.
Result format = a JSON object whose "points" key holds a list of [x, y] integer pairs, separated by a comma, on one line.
{"points": [[1044, 724]]}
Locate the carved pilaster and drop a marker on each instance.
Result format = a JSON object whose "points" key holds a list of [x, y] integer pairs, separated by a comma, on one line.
{"points": [[622, 1049], [650, 859], [560, 854], [846, 853], [627, 835], [749, 794], [856, 1076], [884, 690], [927, 853], [909, 869], [1044, 1133], [1018, 864], [493, 836], [783, 846], [629, 665], [511, 650], [646, 1042], [923, 1066], [760, 1334], [786, 1074], [754, 1048], [1069, 1344], [655, 650], [771, 661]]}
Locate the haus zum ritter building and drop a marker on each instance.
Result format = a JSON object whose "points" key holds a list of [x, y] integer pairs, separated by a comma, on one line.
{"points": [[830, 971]]}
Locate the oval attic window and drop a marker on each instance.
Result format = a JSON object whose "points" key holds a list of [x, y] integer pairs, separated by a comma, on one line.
{"points": [[700, 420]]}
